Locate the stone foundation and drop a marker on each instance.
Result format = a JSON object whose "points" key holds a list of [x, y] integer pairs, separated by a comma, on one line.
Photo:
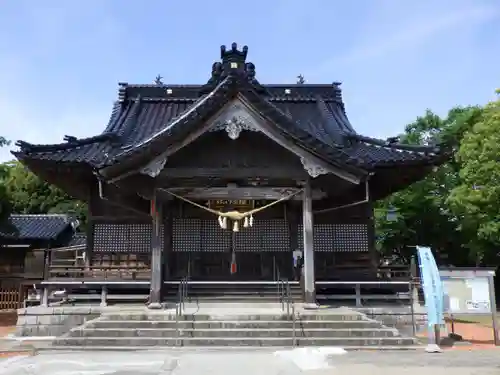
{"points": [[53, 321], [398, 317], [57, 321]]}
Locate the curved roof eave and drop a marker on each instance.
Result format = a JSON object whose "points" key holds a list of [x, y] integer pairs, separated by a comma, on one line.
{"points": [[71, 142], [393, 143]]}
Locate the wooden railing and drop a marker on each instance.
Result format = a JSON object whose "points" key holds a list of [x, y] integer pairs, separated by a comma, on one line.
{"points": [[394, 272], [12, 299], [99, 272], [141, 272]]}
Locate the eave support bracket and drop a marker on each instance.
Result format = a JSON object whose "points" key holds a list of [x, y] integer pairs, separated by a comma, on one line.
{"points": [[314, 170], [154, 168]]}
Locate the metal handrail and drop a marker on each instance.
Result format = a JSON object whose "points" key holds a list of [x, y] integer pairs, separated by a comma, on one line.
{"points": [[291, 303], [290, 308], [179, 307], [281, 285], [288, 296], [278, 285], [282, 294], [177, 312]]}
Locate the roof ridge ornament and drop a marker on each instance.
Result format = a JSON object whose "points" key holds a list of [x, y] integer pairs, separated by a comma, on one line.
{"points": [[233, 55], [233, 62], [158, 80]]}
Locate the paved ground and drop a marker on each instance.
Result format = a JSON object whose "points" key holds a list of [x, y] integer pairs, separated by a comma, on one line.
{"points": [[478, 359], [250, 362]]}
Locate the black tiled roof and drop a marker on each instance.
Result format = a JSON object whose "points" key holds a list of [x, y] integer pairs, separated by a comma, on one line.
{"points": [[146, 118], [37, 227], [79, 239]]}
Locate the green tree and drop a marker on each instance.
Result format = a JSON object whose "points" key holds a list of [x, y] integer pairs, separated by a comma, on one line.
{"points": [[5, 206], [31, 195], [424, 215], [476, 199]]}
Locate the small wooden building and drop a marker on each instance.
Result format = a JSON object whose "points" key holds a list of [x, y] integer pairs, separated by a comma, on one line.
{"points": [[176, 178], [25, 241]]}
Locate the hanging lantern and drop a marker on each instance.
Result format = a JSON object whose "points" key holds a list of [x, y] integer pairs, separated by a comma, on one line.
{"points": [[246, 222], [392, 214], [236, 226], [250, 221]]}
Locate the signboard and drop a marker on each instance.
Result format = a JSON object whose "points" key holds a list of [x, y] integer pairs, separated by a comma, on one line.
{"points": [[467, 295], [241, 205], [470, 291]]}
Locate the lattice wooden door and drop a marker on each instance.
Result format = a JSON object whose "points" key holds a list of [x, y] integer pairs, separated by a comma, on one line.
{"points": [[201, 249], [262, 250]]}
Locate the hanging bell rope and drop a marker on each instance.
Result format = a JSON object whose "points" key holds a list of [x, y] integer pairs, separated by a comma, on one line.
{"points": [[235, 216]]}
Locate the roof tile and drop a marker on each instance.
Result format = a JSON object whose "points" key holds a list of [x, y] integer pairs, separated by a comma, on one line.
{"points": [[38, 227], [313, 114]]}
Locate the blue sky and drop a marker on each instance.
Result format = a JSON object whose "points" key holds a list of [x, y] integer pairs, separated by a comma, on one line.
{"points": [[60, 61]]}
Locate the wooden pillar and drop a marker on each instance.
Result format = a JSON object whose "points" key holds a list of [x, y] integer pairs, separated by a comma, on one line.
{"points": [[89, 245], [167, 241], [156, 256], [47, 261], [307, 217], [370, 219], [293, 228]]}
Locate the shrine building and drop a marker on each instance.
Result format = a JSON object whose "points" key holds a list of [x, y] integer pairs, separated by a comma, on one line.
{"points": [[229, 180]]}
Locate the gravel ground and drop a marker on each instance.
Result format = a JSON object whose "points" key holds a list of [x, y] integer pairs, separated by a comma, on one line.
{"points": [[250, 362]]}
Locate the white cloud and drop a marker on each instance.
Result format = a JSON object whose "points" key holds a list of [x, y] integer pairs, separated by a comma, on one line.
{"points": [[413, 28]]}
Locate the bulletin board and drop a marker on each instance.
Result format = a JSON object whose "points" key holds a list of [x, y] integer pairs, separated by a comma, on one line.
{"points": [[470, 291]]}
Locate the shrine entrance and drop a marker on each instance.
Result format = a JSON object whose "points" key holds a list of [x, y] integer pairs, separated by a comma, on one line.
{"points": [[205, 252], [263, 252]]}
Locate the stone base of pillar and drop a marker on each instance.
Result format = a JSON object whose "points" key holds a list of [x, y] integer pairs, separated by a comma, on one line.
{"points": [[154, 306], [310, 300], [310, 306]]}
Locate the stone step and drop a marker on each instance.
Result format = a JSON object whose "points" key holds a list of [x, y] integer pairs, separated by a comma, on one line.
{"points": [[238, 292], [233, 341], [234, 298], [230, 286], [234, 316], [272, 292], [217, 324], [234, 333], [66, 348], [228, 291]]}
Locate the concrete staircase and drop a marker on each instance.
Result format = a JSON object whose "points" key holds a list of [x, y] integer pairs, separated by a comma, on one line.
{"points": [[341, 327]]}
